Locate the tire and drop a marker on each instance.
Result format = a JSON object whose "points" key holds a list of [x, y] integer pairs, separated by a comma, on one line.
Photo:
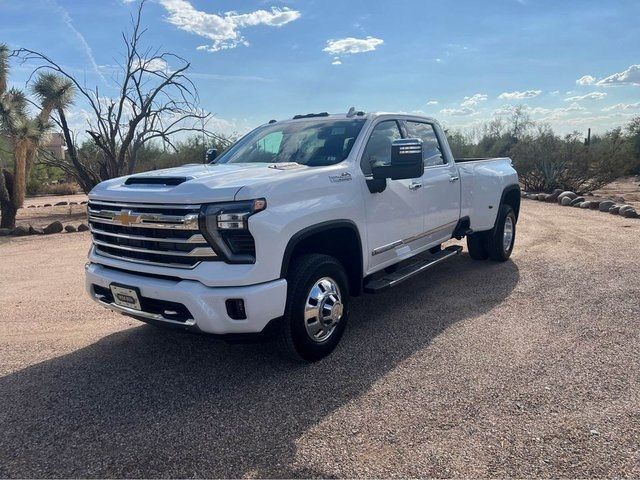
{"points": [[314, 282], [477, 245], [500, 243]]}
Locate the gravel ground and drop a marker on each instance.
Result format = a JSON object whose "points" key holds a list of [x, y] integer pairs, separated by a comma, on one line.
{"points": [[475, 369]]}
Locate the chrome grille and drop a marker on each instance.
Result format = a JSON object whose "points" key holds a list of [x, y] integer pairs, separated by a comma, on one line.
{"points": [[164, 235]]}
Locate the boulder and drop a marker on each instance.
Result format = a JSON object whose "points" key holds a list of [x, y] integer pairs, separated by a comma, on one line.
{"points": [[70, 229], [20, 231], [624, 208], [630, 213], [586, 204], [576, 201], [55, 227], [606, 205], [4, 232], [577, 205], [73, 203], [31, 206], [46, 205], [60, 204], [567, 193], [83, 227], [594, 204], [614, 210], [35, 230], [543, 197], [565, 201], [84, 202]]}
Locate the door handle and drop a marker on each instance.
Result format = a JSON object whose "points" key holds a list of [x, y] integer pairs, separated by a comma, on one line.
{"points": [[415, 186], [454, 178]]}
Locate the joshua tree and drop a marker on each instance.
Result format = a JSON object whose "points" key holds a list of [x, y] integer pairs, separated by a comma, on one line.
{"points": [[25, 134]]}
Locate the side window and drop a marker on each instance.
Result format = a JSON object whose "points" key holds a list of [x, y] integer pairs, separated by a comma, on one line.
{"points": [[378, 147], [431, 147]]}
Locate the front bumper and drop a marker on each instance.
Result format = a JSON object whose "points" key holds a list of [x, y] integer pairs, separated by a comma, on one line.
{"points": [[207, 305]]}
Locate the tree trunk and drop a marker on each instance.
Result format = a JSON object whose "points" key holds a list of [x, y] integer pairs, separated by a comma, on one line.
{"points": [[7, 210], [19, 174]]}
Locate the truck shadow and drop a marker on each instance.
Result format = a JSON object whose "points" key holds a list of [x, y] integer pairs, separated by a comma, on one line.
{"points": [[151, 403]]}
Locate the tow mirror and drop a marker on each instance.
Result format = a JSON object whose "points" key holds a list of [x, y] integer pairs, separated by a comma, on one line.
{"points": [[406, 161], [211, 155]]}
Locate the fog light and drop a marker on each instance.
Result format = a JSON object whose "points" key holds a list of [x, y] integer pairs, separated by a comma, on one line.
{"points": [[235, 309]]}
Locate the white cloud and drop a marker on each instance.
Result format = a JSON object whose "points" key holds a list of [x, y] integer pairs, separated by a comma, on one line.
{"points": [[503, 110], [474, 100], [432, 102], [458, 112], [352, 45], [587, 96], [223, 30], [586, 80], [622, 106], [555, 92], [630, 76], [519, 95], [153, 65], [336, 61]]}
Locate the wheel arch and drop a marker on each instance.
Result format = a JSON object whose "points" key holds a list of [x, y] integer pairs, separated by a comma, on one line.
{"points": [[511, 196], [338, 238]]}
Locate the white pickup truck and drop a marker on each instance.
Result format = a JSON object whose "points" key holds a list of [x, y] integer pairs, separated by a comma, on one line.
{"points": [[280, 231]]}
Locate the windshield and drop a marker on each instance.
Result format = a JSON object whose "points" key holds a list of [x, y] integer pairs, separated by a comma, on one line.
{"points": [[313, 143]]}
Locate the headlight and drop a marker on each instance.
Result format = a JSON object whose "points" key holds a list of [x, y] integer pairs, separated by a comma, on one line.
{"points": [[226, 228]]}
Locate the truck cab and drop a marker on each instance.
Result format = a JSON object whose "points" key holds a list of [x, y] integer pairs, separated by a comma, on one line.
{"points": [[280, 231]]}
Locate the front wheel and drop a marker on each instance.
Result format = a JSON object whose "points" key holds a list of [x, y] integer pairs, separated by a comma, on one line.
{"points": [[317, 307]]}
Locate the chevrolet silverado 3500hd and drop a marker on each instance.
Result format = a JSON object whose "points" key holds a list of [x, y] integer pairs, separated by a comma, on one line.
{"points": [[284, 227]]}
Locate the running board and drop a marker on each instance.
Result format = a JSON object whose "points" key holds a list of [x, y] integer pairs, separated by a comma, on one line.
{"points": [[405, 273]]}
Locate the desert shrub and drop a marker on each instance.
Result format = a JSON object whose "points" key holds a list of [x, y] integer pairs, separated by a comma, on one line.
{"points": [[60, 189], [546, 161]]}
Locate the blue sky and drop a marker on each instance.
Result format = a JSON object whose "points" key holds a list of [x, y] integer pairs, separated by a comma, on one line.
{"points": [[574, 64]]}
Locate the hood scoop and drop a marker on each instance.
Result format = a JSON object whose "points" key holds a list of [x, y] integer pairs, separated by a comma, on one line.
{"points": [[156, 181]]}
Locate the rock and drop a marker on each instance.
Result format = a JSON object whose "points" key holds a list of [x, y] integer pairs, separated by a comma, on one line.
{"points": [[565, 201], [543, 197], [70, 229], [60, 204], [567, 193], [614, 210], [577, 205], [576, 200], [623, 208], [585, 204], [73, 203], [55, 227], [31, 206], [4, 232], [630, 213], [84, 202], [606, 205], [35, 230], [83, 227], [594, 204], [46, 205], [20, 231], [618, 199]]}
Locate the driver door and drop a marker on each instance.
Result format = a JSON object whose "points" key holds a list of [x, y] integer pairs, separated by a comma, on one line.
{"points": [[395, 215]]}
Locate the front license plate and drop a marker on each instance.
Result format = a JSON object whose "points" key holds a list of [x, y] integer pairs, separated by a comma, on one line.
{"points": [[126, 297]]}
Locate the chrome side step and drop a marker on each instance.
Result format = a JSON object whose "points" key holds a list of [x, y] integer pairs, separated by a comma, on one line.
{"points": [[379, 284]]}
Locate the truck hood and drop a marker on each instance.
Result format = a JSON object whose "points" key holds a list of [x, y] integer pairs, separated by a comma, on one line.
{"points": [[191, 184]]}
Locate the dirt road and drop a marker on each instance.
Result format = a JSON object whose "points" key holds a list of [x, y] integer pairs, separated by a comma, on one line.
{"points": [[526, 368]]}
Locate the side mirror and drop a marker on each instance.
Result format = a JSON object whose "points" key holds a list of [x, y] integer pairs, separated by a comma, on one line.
{"points": [[211, 155], [406, 161]]}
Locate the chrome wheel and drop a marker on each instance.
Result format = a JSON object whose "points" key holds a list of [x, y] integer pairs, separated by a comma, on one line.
{"points": [[323, 309], [507, 233]]}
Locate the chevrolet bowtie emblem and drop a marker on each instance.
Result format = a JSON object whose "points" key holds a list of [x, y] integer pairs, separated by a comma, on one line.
{"points": [[126, 218]]}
